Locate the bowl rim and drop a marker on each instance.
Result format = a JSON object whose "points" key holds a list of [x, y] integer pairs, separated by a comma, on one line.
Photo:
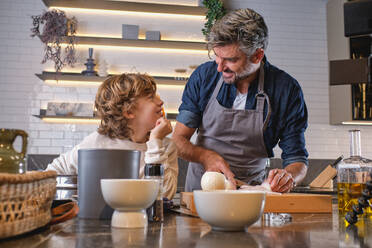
{"points": [[108, 149], [228, 191], [129, 180]]}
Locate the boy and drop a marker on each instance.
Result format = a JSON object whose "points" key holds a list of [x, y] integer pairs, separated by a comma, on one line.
{"points": [[131, 119]]}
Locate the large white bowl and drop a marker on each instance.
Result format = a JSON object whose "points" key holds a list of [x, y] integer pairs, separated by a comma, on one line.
{"points": [[129, 198], [229, 210]]}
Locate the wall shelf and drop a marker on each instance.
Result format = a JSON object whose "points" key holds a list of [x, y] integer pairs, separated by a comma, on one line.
{"points": [[80, 119], [78, 77], [128, 6], [350, 71], [161, 44], [66, 117]]}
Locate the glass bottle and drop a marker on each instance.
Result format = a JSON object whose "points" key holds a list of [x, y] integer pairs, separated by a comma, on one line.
{"points": [[352, 175], [155, 211]]}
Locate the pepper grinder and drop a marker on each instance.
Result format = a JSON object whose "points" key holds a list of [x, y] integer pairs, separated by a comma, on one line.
{"points": [[155, 211]]}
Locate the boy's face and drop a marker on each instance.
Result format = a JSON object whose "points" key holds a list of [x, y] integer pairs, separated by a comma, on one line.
{"points": [[148, 111]]}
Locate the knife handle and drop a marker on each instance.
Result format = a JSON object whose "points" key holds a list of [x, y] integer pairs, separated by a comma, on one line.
{"points": [[337, 161]]}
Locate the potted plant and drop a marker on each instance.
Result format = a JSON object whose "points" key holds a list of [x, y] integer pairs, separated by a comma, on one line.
{"points": [[215, 11], [56, 28]]}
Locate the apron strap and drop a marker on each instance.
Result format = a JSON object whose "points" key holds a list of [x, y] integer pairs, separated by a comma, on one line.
{"points": [[217, 89], [261, 96]]}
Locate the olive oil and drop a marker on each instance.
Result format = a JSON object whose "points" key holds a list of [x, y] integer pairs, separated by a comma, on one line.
{"points": [[352, 175], [348, 194]]}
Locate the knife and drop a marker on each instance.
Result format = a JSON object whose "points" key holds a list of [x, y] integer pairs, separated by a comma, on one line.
{"points": [[337, 161]]}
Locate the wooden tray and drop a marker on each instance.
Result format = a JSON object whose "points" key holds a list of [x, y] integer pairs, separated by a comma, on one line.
{"points": [[275, 203]]}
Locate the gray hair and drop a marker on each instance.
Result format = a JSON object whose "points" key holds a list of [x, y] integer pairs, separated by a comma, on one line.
{"points": [[244, 27]]}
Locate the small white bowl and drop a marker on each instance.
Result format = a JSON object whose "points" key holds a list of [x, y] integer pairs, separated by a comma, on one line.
{"points": [[229, 210], [129, 198]]}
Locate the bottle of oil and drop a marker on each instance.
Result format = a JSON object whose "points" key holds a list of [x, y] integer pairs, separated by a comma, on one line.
{"points": [[352, 175]]}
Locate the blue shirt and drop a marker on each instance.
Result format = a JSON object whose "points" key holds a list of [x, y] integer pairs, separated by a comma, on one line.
{"points": [[288, 120]]}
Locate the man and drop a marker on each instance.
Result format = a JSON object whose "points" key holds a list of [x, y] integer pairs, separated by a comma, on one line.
{"points": [[242, 107]]}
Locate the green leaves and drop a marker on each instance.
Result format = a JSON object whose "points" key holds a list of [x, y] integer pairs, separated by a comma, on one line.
{"points": [[215, 12]]}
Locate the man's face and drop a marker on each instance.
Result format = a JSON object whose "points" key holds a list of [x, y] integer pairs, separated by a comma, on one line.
{"points": [[233, 63]]}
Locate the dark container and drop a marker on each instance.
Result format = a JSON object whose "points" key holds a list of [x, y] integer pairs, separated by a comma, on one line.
{"points": [[97, 164], [155, 212]]}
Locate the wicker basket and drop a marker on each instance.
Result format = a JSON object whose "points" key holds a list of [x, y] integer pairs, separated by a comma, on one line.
{"points": [[25, 201]]}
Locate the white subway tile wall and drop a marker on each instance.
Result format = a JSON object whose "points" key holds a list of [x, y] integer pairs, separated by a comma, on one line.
{"points": [[298, 45]]}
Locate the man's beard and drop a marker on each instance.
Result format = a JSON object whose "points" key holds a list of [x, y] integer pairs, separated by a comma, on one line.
{"points": [[248, 70]]}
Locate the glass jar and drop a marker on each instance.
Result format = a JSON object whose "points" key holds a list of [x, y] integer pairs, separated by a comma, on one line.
{"points": [[352, 175], [12, 161]]}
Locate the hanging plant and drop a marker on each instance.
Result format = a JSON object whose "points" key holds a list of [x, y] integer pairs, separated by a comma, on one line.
{"points": [[215, 11], [56, 28]]}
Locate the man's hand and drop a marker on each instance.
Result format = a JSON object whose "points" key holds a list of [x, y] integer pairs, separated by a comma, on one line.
{"points": [[280, 180], [212, 161], [283, 180], [162, 128]]}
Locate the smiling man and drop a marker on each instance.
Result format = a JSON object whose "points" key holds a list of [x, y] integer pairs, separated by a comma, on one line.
{"points": [[242, 107]]}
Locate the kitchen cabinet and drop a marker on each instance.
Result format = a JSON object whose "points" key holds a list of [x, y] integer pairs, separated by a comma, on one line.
{"points": [[350, 71]]}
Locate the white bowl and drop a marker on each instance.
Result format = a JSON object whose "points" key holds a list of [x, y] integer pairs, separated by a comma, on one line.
{"points": [[129, 198], [229, 210]]}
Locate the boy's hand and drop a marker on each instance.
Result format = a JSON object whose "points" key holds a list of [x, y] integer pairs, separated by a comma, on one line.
{"points": [[162, 128]]}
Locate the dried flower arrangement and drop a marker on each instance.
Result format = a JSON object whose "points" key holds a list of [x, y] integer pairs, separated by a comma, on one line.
{"points": [[56, 27]]}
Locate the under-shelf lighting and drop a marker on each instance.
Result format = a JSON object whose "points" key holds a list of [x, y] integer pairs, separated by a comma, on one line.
{"points": [[66, 83], [170, 87], [113, 72], [144, 49], [140, 37], [81, 121], [71, 120], [171, 111], [78, 120], [132, 13], [364, 123], [119, 72]]}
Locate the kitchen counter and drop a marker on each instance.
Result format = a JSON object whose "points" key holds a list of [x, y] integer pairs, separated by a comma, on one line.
{"points": [[305, 230]]}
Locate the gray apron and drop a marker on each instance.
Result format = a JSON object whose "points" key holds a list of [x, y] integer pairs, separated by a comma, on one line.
{"points": [[237, 135]]}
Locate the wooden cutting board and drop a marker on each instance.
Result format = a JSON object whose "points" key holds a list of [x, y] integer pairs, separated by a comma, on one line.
{"points": [[279, 203]]}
